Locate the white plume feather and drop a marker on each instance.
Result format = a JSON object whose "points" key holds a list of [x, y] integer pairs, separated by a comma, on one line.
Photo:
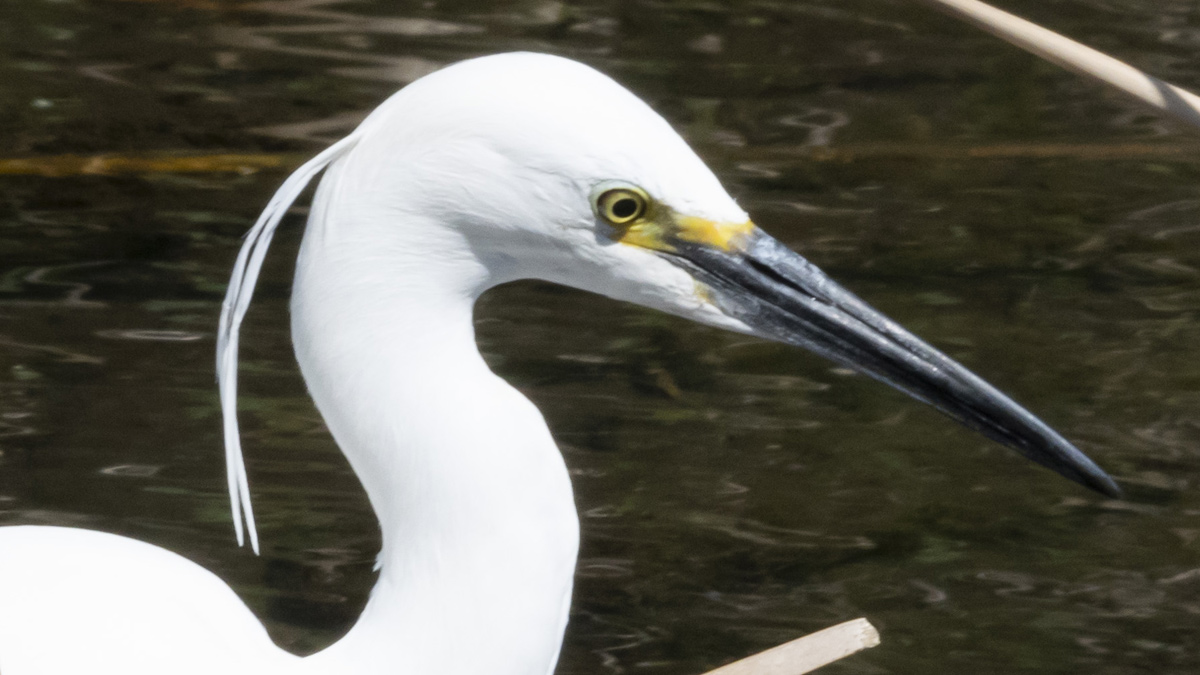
{"points": [[233, 310]]}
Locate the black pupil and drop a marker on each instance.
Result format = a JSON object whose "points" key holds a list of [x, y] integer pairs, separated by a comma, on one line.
{"points": [[624, 207]]}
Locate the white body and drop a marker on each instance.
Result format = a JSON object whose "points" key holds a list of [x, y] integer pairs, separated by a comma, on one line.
{"points": [[77, 601], [471, 177]]}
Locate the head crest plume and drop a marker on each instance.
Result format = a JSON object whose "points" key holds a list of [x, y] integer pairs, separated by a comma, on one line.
{"points": [[233, 310]]}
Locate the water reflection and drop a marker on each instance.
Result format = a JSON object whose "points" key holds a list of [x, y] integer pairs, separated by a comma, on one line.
{"points": [[735, 494]]}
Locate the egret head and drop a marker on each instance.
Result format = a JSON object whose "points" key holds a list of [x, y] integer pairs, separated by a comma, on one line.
{"points": [[547, 169]]}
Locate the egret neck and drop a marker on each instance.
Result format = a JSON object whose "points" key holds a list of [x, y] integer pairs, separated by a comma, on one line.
{"points": [[479, 527]]}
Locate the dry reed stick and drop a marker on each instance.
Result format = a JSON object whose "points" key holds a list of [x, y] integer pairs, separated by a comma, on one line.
{"points": [[807, 653], [1072, 55]]}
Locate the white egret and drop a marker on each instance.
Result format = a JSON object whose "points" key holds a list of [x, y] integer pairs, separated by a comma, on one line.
{"points": [[500, 168]]}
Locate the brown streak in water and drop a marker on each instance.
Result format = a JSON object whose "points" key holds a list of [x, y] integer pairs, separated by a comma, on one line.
{"points": [[918, 151], [113, 164]]}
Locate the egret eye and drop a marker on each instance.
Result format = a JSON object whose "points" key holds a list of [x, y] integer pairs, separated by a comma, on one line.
{"points": [[620, 206]]}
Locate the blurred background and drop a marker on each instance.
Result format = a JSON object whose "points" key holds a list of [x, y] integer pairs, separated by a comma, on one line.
{"points": [[734, 494]]}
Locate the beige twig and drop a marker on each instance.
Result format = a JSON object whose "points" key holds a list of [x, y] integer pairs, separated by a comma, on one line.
{"points": [[807, 653], [1072, 55]]}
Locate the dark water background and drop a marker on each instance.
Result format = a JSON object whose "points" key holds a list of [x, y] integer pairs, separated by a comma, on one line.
{"points": [[734, 494]]}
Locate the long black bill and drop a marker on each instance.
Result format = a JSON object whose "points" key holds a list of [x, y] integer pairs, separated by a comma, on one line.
{"points": [[782, 296]]}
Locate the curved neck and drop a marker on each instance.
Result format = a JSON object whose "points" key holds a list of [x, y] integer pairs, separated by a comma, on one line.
{"points": [[478, 521]]}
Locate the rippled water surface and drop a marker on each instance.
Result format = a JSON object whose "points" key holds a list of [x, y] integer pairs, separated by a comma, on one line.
{"points": [[734, 494]]}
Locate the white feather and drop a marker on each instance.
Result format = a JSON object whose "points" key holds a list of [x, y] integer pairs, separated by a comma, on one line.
{"points": [[233, 310]]}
